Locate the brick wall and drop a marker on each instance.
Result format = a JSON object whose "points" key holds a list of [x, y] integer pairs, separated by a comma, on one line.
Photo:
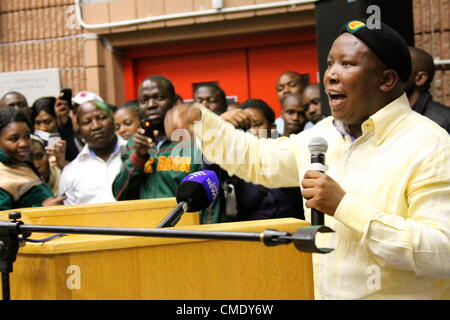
{"points": [[37, 34], [119, 10], [432, 21]]}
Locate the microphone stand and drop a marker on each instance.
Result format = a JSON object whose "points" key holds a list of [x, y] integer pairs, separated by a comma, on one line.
{"points": [[174, 216], [303, 238]]}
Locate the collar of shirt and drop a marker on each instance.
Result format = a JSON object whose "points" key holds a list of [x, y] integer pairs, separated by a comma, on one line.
{"points": [[87, 153], [382, 122], [343, 130]]}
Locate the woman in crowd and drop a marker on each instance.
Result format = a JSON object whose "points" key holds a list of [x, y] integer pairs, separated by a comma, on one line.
{"points": [[126, 119], [49, 170], [21, 185], [44, 118]]}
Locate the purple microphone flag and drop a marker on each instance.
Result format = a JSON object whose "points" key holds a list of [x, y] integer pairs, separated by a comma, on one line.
{"points": [[209, 181]]}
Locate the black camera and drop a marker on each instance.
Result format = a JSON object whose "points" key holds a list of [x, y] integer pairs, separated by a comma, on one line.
{"points": [[67, 96], [147, 125]]}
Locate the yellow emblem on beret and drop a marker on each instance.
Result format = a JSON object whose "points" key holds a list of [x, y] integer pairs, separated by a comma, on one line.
{"points": [[354, 26]]}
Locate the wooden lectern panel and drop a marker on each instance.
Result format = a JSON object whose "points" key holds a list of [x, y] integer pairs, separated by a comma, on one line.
{"points": [[109, 267], [126, 214]]}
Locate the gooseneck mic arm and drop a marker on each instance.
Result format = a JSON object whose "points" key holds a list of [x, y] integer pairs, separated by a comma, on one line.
{"points": [[174, 216], [303, 238]]}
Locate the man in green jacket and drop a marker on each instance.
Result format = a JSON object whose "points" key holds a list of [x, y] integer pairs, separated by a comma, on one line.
{"points": [[154, 168]]}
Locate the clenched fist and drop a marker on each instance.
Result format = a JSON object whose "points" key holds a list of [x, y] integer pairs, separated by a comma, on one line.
{"points": [[321, 192], [181, 116]]}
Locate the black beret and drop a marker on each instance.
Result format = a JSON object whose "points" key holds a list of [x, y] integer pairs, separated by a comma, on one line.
{"points": [[387, 44]]}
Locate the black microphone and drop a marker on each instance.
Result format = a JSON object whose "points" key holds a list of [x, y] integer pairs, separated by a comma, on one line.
{"points": [[318, 146], [195, 192]]}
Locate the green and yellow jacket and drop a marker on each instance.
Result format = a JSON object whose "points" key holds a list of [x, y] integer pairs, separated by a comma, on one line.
{"points": [[20, 185], [159, 173]]}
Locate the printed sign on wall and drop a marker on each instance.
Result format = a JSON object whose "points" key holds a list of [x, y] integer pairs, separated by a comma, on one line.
{"points": [[32, 84]]}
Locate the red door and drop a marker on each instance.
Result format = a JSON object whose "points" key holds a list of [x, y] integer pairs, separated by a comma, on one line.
{"points": [[245, 66], [226, 67], [266, 63]]}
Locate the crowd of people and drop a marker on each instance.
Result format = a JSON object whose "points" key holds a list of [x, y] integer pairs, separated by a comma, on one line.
{"points": [[84, 150], [385, 193]]}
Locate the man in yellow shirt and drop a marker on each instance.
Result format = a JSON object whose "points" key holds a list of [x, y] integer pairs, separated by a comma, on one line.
{"points": [[386, 192]]}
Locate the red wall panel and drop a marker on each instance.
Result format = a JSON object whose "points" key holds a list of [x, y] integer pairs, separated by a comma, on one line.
{"points": [[244, 66], [266, 63], [227, 67]]}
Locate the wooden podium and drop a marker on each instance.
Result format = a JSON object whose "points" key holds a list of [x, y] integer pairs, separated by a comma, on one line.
{"points": [[93, 267]]}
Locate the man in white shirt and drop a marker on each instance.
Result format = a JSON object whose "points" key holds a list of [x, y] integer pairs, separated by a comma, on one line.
{"points": [[88, 178]]}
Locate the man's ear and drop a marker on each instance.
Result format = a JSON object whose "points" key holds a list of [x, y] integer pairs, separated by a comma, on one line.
{"points": [[421, 78], [389, 80]]}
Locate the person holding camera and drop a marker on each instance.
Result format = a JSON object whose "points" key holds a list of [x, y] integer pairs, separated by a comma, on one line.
{"points": [[153, 165]]}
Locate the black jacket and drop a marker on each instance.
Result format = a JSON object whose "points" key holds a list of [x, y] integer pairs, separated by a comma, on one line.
{"points": [[255, 202], [433, 110]]}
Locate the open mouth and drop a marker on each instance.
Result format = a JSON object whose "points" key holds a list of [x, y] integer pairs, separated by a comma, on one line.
{"points": [[335, 98]]}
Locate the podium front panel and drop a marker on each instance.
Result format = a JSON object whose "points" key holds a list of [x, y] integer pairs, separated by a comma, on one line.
{"points": [[108, 267]]}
